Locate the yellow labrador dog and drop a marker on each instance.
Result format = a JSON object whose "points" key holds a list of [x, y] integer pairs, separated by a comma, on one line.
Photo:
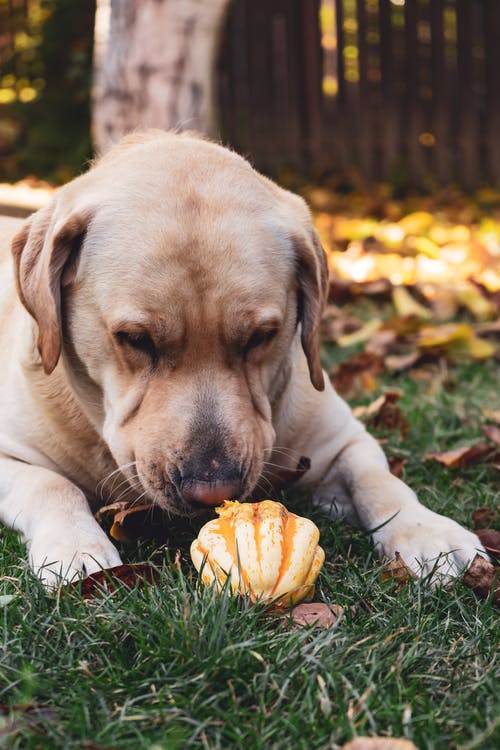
{"points": [[159, 324]]}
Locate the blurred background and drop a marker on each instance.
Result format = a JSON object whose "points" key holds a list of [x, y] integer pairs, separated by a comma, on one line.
{"points": [[383, 114], [401, 92]]}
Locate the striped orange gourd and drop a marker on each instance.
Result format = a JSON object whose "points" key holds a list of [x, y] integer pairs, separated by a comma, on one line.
{"points": [[268, 552]]}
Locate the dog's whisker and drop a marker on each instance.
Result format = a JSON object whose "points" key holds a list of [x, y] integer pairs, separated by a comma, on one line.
{"points": [[127, 489], [288, 452], [277, 466], [267, 490], [102, 483]]}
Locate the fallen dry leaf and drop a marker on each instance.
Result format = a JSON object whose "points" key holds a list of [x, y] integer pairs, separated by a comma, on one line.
{"points": [[467, 456], [21, 717], [333, 327], [407, 305], [384, 414], [397, 570], [107, 581], [492, 431], [363, 334], [492, 415], [482, 518], [397, 465], [382, 342], [357, 373], [401, 362], [483, 578], [317, 614], [490, 539], [379, 743]]}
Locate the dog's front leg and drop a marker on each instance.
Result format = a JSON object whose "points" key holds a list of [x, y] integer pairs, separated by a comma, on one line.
{"points": [[53, 516], [359, 485]]}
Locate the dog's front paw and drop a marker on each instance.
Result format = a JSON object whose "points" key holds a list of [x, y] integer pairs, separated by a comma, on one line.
{"points": [[62, 555], [430, 544]]}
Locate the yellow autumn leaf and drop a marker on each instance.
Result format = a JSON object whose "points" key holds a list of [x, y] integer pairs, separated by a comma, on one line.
{"points": [[416, 223], [472, 298], [406, 305], [443, 335], [425, 246], [361, 335], [391, 234], [472, 348], [354, 229]]}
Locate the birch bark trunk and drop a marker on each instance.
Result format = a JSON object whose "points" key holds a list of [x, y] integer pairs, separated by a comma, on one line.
{"points": [[154, 66]]}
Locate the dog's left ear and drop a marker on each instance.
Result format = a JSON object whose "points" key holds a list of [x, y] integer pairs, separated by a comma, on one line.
{"points": [[42, 250], [312, 280]]}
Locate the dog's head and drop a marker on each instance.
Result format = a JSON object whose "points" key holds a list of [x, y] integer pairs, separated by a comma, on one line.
{"points": [[176, 281]]}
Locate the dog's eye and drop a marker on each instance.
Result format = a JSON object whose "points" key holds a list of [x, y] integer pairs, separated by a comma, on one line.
{"points": [[141, 342], [259, 338]]}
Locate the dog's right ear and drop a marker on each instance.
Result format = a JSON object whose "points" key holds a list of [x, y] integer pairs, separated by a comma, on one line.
{"points": [[41, 251]]}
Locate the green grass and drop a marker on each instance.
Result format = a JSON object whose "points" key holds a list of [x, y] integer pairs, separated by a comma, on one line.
{"points": [[172, 666]]}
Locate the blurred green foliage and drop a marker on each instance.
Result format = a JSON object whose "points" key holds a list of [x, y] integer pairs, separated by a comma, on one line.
{"points": [[45, 77]]}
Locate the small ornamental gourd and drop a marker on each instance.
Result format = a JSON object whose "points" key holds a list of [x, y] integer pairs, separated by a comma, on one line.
{"points": [[269, 553]]}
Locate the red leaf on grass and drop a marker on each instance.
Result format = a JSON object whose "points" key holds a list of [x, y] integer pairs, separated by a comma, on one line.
{"points": [[357, 373], [467, 456], [490, 539], [318, 614], [379, 743], [384, 414], [483, 578], [107, 581], [397, 465], [484, 517], [492, 431], [398, 571]]}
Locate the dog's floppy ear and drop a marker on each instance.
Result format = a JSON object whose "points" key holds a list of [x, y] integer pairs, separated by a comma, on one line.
{"points": [[41, 252], [312, 280]]}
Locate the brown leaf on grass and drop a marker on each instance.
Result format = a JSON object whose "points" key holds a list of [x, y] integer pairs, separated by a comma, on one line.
{"points": [[490, 539], [488, 329], [484, 517], [384, 414], [107, 581], [397, 465], [483, 578], [492, 415], [379, 743], [317, 614], [403, 325], [89, 745], [382, 342], [332, 328], [365, 333], [341, 291], [21, 716], [492, 431], [397, 570], [459, 458], [401, 362], [357, 373]]}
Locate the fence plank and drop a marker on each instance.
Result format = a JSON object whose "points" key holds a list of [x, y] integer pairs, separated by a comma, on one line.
{"points": [[492, 90], [426, 106]]}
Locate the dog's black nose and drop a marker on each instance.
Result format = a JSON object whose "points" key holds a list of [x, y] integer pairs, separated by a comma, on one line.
{"points": [[210, 482]]}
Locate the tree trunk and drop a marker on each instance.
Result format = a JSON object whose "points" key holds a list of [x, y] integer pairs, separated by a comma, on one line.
{"points": [[154, 66]]}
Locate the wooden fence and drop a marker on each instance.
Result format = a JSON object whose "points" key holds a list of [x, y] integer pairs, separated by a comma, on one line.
{"points": [[404, 90]]}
